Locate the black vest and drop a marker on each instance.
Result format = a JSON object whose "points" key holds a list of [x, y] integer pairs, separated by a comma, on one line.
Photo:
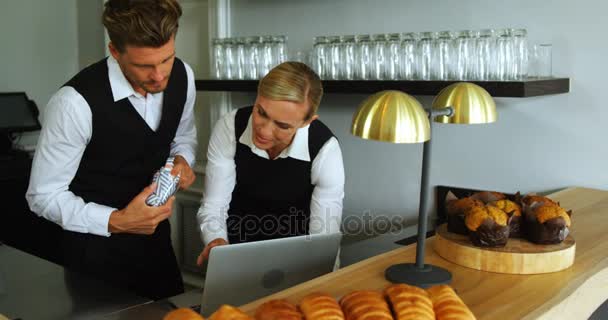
{"points": [[123, 152], [271, 198]]}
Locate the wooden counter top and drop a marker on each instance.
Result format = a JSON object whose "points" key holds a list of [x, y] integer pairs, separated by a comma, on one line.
{"points": [[573, 293]]}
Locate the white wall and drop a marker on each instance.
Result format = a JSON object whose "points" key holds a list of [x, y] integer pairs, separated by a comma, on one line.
{"points": [[91, 46], [39, 46], [537, 144]]}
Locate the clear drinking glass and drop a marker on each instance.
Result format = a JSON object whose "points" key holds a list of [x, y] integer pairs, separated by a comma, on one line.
{"points": [[334, 58], [473, 62], [542, 59], [347, 57], [425, 54], [379, 51], [363, 57], [218, 58], [408, 56], [442, 56], [252, 57], [319, 53], [265, 56], [484, 53], [240, 57], [504, 55], [520, 49], [393, 56], [229, 59], [463, 46], [279, 50]]}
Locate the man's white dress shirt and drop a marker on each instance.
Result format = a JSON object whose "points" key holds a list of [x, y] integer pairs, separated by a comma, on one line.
{"points": [[327, 176], [66, 131]]}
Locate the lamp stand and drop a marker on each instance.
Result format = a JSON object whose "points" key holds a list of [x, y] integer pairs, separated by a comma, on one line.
{"points": [[420, 274]]}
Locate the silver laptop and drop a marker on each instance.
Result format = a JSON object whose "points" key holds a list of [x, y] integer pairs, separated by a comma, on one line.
{"points": [[240, 273]]}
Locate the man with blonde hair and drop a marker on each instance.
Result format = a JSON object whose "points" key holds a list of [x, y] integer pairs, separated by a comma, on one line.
{"points": [[104, 135], [274, 170]]}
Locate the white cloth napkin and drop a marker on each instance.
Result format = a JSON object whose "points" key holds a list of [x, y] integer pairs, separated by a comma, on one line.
{"points": [[166, 185]]}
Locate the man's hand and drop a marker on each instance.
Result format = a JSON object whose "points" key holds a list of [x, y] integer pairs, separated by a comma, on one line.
{"points": [[205, 254], [181, 167], [138, 217]]}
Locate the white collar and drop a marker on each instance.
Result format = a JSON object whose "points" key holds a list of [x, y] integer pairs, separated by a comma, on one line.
{"points": [[298, 149], [121, 88]]}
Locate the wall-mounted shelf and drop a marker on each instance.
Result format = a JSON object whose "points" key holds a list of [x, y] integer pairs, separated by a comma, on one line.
{"points": [[526, 88]]}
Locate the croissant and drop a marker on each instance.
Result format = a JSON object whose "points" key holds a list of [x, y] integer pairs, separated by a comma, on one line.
{"points": [[318, 306], [226, 312], [410, 302], [182, 314], [277, 310], [448, 305], [361, 305]]}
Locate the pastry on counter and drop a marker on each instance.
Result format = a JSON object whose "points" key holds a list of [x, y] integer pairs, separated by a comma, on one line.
{"points": [[456, 211], [182, 314], [365, 304], [277, 310], [409, 302], [319, 306], [531, 199], [488, 196], [488, 226], [546, 223], [226, 312], [511, 207], [448, 305]]}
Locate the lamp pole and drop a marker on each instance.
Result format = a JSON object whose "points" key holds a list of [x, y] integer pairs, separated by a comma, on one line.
{"points": [[422, 205], [424, 186], [420, 274]]}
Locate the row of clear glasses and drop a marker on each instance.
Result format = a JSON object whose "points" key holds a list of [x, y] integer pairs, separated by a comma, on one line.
{"points": [[247, 57], [464, 55]]}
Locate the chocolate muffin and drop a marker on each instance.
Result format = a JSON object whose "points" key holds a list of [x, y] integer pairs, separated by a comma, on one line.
{"points": [[456, 211], [488, 226], [547, 223], [514, 209], [488, 196], [531, 199]]}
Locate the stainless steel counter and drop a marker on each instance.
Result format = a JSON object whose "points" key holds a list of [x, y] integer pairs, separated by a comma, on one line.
{"points": [[157, 310], [33, 288]]}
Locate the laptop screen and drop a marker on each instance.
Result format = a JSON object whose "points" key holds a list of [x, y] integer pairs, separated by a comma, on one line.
{"points": [[241, 273]]}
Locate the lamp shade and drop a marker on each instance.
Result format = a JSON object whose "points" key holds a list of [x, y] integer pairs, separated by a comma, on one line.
{"points": [[391, 116], [471, 104]]}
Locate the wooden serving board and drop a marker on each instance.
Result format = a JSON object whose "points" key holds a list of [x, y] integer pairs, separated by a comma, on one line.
{"points": [[519, 256]]}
